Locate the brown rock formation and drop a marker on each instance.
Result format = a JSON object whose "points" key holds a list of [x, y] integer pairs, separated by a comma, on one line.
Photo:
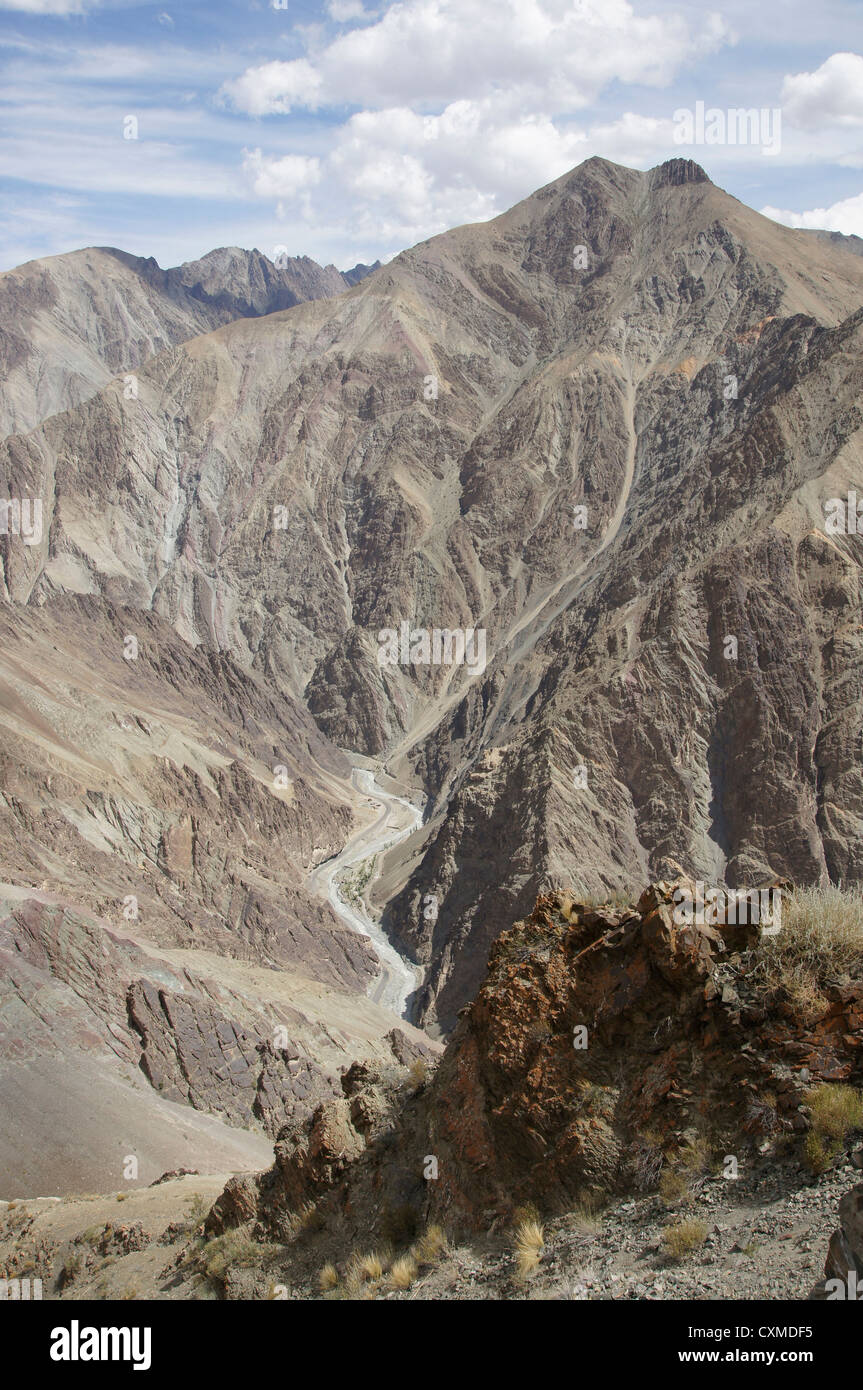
{"points": [[602, 1045]]}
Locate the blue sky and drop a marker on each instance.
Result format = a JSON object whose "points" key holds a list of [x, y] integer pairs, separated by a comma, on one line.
{"points": [[346, 130]]}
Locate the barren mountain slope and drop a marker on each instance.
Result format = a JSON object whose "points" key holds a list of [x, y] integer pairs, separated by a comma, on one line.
{"points": [[157, 946], [70, 323]]}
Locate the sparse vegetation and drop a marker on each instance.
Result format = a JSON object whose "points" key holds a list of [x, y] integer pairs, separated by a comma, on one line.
{"points": [[418, 1072], [762, 1116], [585, 1214], [362, 1276], [71, 1267], [684, 1238], [354, 883], [308, 1218], [197, 1208], [647, 1159], [821, 938], [836, 1112], [674, 1188], [234, 1250], [371, 1267], [695, 1161], [328, 1278]]}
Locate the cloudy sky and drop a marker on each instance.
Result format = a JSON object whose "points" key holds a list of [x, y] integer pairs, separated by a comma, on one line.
{"points": [[346, 130]]}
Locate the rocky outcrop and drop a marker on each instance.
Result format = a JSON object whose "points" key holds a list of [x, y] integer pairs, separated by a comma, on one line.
{"points": [[599, 1033], [313, 1156], [604, 1046], [843, 1269]]}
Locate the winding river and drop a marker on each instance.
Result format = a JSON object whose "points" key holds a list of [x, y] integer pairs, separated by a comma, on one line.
{"points": [[398, 819]]}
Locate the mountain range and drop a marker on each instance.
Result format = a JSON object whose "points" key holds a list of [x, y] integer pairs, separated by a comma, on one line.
{"points": [[601, 430]]}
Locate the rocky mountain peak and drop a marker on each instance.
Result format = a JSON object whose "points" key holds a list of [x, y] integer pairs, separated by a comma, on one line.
{"points": [[676, 172]]}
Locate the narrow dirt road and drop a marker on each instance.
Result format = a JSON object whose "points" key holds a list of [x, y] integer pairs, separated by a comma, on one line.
{"points": [[398, 818]]}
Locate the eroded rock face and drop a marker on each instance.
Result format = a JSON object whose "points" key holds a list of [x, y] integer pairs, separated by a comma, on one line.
{"points": [[679, 1037], [602, 1045], [192, 1053]]}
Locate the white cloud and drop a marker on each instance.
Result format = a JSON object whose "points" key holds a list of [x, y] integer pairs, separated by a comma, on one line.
{"points": [[830, 96], [459, 101], [433, 52], [845, 216], [283, 177], [275, 87]]}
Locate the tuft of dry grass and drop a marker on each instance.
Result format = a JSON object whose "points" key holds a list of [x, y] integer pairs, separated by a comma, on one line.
{"points": [[529, 1240], [695, 1158], [234, 1250], [835, 1111], [684, 1238], [362, 1276], [328, 1278], [308, 1218], [586, 1214], [819, 1155], [431, 1246], [371, 1267], [418, 1072], [821, 937], [674, 1188], [403, 1272]]}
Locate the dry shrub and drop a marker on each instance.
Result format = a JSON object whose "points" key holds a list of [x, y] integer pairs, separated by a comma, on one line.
{"points": [[646, 1161], [835, 1110], [821, 937], [674, 1188], [684, 1238], [418, 1072]]}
